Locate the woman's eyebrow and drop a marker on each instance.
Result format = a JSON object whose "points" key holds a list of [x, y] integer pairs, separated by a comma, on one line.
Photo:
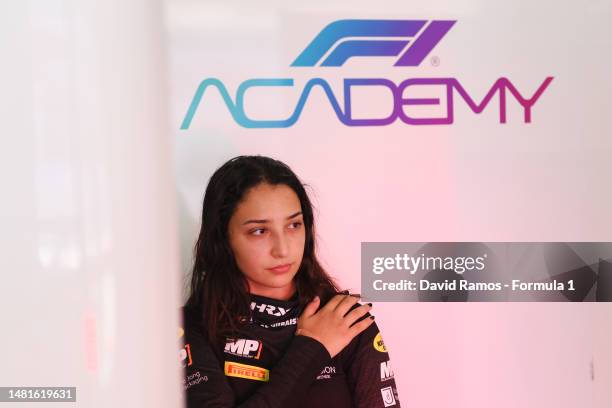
{"points": [[264, 221], [254, 222], [294, 215]]}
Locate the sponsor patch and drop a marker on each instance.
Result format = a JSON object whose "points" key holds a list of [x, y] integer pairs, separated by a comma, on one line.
{"points": [[289, 322], [327, 373], [386, 372], [387, 396], [246, 371], [244, 348], [181, 332], [269, 309], [379, 345], [193, 379], [185, 356]]}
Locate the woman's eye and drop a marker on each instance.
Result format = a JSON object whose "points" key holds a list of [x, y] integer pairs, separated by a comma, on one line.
{"points": [[258, 231], [295, 225]]}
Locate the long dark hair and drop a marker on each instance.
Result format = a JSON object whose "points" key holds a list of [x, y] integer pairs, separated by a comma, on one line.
{"points": [[219, 290]]}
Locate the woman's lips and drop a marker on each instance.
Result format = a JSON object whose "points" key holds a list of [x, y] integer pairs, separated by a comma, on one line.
{"points": [[281, 268]]}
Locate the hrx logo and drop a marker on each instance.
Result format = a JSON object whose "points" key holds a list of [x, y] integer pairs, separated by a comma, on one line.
{"points": [[269, 309], [409, 42]]}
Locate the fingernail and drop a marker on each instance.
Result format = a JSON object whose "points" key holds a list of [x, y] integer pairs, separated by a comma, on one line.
{"points": [[369, 304], [345, 292], [372, 317]]}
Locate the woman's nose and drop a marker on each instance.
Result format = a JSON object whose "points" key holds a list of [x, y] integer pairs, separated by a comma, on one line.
{"points": [[280, 246]]}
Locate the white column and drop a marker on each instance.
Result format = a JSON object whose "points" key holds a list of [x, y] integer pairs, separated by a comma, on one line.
{"points": [[88, 238]]}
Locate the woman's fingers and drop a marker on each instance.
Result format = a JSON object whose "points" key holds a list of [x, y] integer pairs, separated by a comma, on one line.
{"points": [[361, 326], [333, 302], [336, 324], [311, 307], [357, 312], [345, 305]]}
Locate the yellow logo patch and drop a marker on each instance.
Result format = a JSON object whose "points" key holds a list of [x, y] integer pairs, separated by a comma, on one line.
{"points": [[379, 344], [246, 371]]}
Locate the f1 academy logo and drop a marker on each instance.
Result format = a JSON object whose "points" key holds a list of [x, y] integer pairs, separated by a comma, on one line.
{"points": [[401, 31], [409, 42]]}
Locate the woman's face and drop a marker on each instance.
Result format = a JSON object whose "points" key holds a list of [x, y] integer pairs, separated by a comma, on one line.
{"points": [[267, 235]]}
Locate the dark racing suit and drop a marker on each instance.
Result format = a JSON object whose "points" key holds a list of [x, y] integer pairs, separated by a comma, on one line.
{"points": [[267, 365]]}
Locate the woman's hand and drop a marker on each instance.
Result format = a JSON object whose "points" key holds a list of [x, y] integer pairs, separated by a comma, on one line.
{"points": [[331, 326]]}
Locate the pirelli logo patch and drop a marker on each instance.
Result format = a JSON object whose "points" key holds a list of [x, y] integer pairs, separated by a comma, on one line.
{"points": [[246, 371]]}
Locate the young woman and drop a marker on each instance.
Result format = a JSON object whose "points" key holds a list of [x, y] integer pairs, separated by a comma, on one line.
{"points": [[265, 326]]}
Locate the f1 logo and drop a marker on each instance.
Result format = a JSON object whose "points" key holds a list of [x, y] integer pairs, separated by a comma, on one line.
{"points": [[341, 36]]}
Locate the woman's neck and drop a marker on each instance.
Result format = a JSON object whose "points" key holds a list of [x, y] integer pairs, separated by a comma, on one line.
{"points": [[285, 293]]}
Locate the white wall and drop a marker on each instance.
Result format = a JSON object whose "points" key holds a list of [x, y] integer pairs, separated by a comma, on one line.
{"points": [[474, 180]]}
